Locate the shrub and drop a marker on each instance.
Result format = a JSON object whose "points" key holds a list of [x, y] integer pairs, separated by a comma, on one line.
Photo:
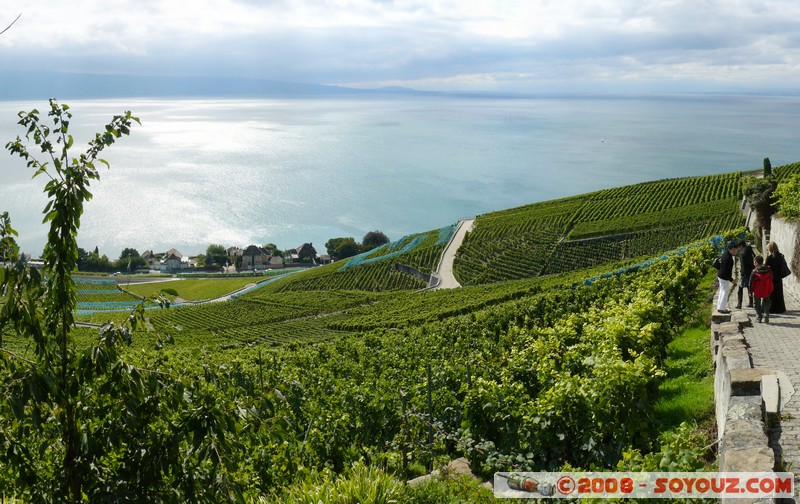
{"points": [[787, 197]]}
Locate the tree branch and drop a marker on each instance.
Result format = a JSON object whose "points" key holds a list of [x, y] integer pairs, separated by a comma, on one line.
{"points": [[12, 24], [12, 354]]}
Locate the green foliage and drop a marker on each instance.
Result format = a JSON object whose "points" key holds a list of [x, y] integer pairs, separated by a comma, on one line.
{"points": [[787, 196], [130, 261], [683, 449], [359, 484], [758, 192], [216, 254], [78, 422], [449, 490], [342, 248], [373, 239], [767, 168]]}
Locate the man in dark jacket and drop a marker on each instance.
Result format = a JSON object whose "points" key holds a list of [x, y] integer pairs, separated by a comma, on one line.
{"points": [[745, 257], [725, 276]]}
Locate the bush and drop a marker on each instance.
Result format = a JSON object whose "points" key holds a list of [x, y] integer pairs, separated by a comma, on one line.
{"points": [[787, 196]]}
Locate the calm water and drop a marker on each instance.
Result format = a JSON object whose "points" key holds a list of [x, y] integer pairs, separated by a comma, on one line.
{"points": [[292, 171]]}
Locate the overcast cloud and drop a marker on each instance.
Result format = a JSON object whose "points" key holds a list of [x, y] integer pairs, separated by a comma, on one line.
{"points": [[474, 45]]}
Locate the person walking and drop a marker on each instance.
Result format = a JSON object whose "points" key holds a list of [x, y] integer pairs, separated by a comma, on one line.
{"points": [[745, 257], [760, 287], [725, 276], [775, 261]]}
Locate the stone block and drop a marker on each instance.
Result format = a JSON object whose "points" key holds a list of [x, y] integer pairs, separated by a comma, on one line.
{"points": [[746, 382], [736, 357], [742, 319], [455, 468], [770, 399], [760, 459]]}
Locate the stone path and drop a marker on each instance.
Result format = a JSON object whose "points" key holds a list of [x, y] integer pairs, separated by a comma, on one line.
{"points": [[776, 346]]}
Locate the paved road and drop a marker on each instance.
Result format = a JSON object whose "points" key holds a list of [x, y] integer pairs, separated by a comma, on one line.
{"points": [[445, 270], [776, 346]]}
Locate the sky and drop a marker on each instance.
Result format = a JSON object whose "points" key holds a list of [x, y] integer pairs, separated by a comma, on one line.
{"points": [[436, 45]]}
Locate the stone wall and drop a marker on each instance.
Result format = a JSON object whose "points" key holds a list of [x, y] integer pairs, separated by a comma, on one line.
{"points": [[746, 399], [786, 235]]}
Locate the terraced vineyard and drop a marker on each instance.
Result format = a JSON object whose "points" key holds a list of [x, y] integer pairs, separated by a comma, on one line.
{"points": [[611, 225], [785, 171], [100, 295], [376, 270], [514, 243]]}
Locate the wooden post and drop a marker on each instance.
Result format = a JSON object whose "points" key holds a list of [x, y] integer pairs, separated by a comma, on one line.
{"points": [[430, 417]]}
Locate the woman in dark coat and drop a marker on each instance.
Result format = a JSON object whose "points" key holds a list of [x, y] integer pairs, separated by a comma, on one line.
{"points": [[774, 261]]}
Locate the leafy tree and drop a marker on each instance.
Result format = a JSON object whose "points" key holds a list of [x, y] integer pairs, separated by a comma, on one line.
{"points": [[130, 257], [373, 239], [342, 248], [767, 167], [78, 424], [129, 253], [273, 250], [95, 262], [51, 324], [758, 192], [216, 254], [82, 257]]}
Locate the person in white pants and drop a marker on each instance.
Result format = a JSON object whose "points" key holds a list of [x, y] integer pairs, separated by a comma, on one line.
{"points": [[725, 276]]}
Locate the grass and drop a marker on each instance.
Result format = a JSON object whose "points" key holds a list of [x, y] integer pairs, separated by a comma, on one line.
{"points": [[687, 392], [194, 289]]}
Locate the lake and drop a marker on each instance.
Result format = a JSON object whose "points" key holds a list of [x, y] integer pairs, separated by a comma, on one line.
{"points": [[289, 171]]}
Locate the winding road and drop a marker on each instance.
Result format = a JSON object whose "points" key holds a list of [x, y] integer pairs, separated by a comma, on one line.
{"points": [[443, 277]]}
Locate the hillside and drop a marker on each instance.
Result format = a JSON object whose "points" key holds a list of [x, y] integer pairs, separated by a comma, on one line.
{"points": [[540, 246], [550, 237]]}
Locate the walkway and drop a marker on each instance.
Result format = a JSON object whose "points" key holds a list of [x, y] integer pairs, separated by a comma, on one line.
{"points": [[444, 273], [776, 346]]}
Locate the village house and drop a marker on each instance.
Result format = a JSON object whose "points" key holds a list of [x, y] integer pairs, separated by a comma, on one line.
{"points": [[255, 258], [305, 251], [173, 262], [151, 260]]}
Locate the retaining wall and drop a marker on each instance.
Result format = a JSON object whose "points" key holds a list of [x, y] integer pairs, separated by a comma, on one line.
{"points": [[786, 234], [747, 399]]}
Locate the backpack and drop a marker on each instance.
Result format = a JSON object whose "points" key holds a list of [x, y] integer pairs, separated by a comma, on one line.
{"points": [[762, 284]]}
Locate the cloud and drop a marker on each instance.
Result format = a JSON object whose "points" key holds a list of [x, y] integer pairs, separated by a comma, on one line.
{"points": [[465, 44]]}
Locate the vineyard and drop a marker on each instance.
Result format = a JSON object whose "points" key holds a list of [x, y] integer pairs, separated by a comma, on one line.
{"points": [[376, 270], [592, 229], [101, 295], [783, 172], [488, 401]]}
